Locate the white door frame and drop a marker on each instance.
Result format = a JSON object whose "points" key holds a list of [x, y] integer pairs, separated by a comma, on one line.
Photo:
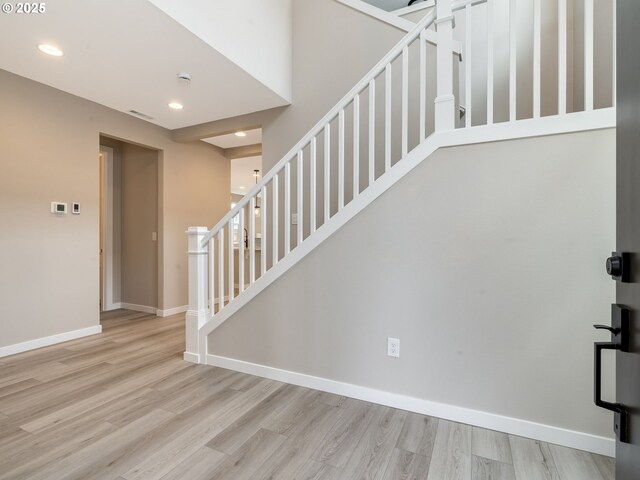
{"points": [[107, 230]]}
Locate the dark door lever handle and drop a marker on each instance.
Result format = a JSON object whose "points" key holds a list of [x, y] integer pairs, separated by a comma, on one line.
{"points": [[619, 341], [606, 327]]}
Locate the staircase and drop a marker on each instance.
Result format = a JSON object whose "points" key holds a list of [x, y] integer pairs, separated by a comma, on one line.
{"points": [[401, 112]]}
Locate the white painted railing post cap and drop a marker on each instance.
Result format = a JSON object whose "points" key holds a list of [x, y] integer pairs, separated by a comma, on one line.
{"points": [[197, 231], [448, 19], [444, 98]]}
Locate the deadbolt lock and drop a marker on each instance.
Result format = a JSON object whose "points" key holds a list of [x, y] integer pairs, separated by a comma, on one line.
{"points": [[618, 267]]}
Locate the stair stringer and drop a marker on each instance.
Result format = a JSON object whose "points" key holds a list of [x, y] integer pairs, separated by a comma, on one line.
{"points": [[552, 125]]}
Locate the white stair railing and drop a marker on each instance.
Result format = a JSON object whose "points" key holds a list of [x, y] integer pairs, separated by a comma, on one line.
{"points": [[350, 156], [340, 157], [521, 66]]}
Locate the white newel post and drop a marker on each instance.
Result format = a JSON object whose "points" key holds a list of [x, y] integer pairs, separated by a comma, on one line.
{"points": [[445, 101], [198, 307]]}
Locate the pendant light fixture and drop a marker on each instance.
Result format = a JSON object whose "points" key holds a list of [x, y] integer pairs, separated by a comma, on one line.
{"points": [[256, 174]]}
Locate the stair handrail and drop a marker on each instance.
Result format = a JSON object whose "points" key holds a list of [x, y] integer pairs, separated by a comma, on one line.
{"points": [[461, 4], [423, 24]]}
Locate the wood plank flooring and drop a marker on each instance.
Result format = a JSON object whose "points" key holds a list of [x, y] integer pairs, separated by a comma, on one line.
{"points": [[123, 405]]}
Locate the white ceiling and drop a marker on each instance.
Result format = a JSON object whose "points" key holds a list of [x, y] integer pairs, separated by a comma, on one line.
{"points": [[242, 179], [126, 55], [232, 140], [254, 34]]}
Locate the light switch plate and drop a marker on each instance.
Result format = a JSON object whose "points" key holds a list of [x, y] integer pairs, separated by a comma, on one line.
{"points": [[294, 219]]}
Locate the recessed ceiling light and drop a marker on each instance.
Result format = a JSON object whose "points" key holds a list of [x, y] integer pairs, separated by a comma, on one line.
{"points": [[241, 134], [176, 106], [50, 50]]}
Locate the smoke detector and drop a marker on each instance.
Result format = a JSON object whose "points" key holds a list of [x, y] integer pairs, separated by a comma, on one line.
{"points": [[185, 77]]}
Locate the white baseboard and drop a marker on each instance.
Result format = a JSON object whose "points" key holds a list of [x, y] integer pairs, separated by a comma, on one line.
{"points": [[172, 311], [111, 307], [138, 308], [514, 426], [152, 310], [191, 357], [47, 341]]}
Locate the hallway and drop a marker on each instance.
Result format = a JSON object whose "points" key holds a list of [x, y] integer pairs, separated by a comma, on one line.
{"points": [[124, 405]]}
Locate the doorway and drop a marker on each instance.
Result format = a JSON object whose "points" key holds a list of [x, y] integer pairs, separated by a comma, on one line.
{"points": [[244, 150], [129, 219]]}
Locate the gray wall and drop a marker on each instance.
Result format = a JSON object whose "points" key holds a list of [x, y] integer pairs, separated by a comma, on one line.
{"points": [[49, 280], [486, 262], [334, 47]]}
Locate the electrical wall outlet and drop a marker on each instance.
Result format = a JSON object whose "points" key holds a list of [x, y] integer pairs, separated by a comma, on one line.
{"points": [[294, 219], [393, 347]]}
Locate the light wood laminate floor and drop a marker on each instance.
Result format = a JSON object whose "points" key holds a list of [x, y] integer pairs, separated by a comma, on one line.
{"points": [[123, 405]]}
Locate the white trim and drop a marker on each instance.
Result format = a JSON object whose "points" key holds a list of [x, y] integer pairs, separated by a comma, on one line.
{"points": [[448, 19], [107, 229], [191, 357], [444, 98], [47, 341], [514, 426], [172, 311], [416, 7], [152, 310], [462, 4], [138, 308], [534, 127]]}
